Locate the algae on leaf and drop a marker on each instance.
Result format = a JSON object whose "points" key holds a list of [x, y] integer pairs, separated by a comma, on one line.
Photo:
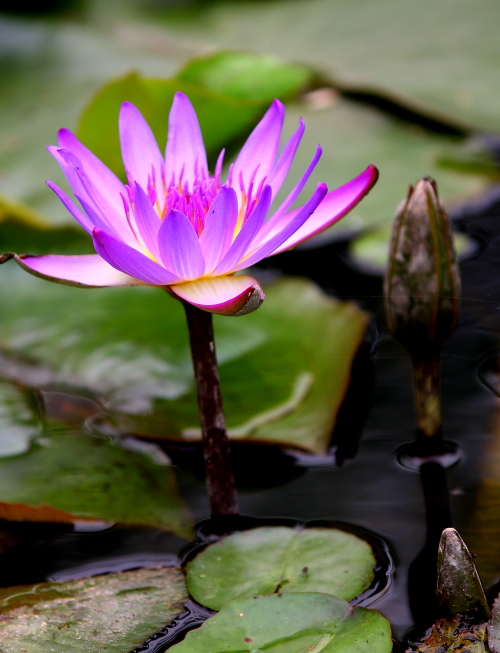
{"points": [[278, 559], [113, 613]]}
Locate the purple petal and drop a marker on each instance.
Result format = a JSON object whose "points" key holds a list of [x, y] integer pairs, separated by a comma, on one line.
{"points": [[87, 271], [79, 216], [180, 249], [95, 204], [220, 224], [141, 155], [222, 295], [295, 223], [280, 170], [100, 175], [185, 155], [247, 234], [334, 207], [260, 150], [147, 220], [279, 218], [130, 261]]}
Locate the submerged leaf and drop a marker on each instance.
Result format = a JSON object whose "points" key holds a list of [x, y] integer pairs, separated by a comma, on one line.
{"points": [[279, 559], [112, 613], [290, 623]]}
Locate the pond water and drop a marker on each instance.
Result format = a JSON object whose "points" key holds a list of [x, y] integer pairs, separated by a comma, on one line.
{"points": [[369, 489]]}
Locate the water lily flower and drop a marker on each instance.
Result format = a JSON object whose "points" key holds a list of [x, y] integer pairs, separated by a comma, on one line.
{"points": [[174, 225]]}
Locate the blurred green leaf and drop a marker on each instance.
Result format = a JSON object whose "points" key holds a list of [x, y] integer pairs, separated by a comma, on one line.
{"points": [[68, 475], [440, 58], [114, 612], [245, 74], [284, 369], [222, 118], [352, 137], [289, 623], [278, 559]]}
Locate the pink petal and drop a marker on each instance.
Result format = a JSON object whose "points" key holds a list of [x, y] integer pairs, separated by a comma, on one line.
{"points": [[185, 155], [334, 207], [295, 223], [280, 170], [100, 175], [140, 151], [220, 224], [179, 246], [222, 295], [260, 151], [86, 271], [129, 261], [79, 216], [147, 220], [247, 234]]}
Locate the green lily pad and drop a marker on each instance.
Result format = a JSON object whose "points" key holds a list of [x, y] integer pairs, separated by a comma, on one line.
{"points": [[284, 369], [112, 613], [244, 74], [222, 118], [69, 476], [279, 559], [290, 623], [440, 58]]}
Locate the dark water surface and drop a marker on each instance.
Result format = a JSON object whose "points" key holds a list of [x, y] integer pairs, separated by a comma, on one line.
{"points": [[370, 490]]}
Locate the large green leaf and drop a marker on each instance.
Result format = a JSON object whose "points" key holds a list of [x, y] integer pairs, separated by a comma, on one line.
{"points": [[441, 57], [284, 369], [290, 623], [278, 559], [112, 613], [244, 74], [67, 475], [222, 118], [352, 137]]}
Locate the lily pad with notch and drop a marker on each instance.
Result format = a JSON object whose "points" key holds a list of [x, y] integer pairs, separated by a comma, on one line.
{"points": [[290, 622], [275, 559]]}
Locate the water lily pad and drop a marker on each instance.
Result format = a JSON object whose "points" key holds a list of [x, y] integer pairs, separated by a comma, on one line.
{"points": [[441, 57], [284, 369], [67, 476], [279, 559], [244, 74], [112, 613], [291, 623], [222, 118]]}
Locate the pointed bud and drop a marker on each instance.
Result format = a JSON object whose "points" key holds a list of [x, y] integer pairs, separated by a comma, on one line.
{"points": [[459, 589], [422, 283]]}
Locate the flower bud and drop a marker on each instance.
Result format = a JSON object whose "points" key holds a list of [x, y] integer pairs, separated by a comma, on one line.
{"points": [[422, 283]]}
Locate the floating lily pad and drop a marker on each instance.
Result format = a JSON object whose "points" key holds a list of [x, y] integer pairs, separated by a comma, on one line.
{"points": [[279, 559], [244, 74], [290, 623], [70, 476], [284, 369], [440, 57], [112, 613], [222, 118]]}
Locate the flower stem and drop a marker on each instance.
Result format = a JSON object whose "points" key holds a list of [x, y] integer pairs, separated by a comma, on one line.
{"points": [[219, 473], [429, 439]]}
